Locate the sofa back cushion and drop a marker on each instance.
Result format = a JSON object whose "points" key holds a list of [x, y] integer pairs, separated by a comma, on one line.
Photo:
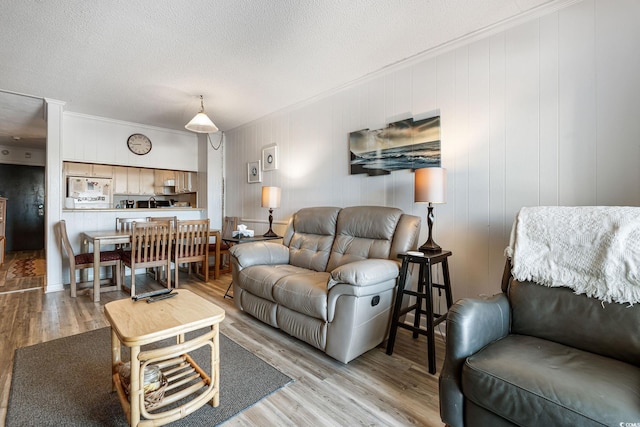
{"points": [[310, 235], [558, 314], [363, 232]]}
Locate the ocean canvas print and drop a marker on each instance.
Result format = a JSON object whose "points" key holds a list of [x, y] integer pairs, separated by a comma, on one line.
{"points": [[404, 144]]}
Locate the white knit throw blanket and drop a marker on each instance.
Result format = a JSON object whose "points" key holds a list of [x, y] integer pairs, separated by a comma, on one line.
{"points": [[592, 250]]}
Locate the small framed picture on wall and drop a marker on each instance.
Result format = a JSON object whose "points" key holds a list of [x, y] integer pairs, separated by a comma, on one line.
{"points": [[254, 173], [270, 158]]}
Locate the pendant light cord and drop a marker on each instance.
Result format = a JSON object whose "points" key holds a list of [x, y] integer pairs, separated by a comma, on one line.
{"points": [[219, 142]]}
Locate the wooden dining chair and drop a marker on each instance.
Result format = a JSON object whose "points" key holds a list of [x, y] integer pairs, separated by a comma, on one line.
{"points": [[126, 224], [222, 249], [172, 219], [191, 246], [160, 275], [85, 260], [151, 244]]}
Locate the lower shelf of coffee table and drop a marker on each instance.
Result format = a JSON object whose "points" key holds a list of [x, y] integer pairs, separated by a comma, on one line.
{"points": [[185, 380]]}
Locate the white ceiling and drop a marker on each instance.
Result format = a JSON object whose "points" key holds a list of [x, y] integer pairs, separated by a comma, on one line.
{"points": [[147, 61]]}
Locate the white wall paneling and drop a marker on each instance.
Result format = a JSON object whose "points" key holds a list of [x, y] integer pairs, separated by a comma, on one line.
{"points": [[53, 190], [99, 140], [618, 103], [214, 181], [542, 113], [577, 104]]}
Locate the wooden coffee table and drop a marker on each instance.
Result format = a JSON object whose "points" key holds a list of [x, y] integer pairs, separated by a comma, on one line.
{"points": [[135, 324]]}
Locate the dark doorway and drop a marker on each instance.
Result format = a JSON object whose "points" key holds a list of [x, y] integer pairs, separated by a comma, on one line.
{"points": [[23, 186]]}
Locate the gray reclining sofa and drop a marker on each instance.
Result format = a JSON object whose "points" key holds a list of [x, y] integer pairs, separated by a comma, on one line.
{"points": [[332, 282]]}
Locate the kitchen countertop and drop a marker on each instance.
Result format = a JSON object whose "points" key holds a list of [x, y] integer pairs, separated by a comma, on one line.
{"points": [[134, 209]]}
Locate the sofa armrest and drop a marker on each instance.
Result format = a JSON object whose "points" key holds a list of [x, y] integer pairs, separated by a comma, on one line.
{"points": [[259, 253], [366, 272], [471, 325]]}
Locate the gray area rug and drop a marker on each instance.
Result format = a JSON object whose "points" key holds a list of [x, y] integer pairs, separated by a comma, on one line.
{"points": [[67, 382]]}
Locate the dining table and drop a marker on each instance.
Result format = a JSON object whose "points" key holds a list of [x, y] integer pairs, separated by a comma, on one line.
{"points": [[99, 239]]}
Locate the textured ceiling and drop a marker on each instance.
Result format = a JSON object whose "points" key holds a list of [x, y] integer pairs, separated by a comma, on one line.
{"points": [[147, 61]]}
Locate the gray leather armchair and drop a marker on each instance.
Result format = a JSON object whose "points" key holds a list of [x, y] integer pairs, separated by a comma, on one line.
{"points": [[541, 356], [332, 282]]}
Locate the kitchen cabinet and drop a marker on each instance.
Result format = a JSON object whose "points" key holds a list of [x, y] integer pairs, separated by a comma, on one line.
{"points": [[186, 182], [120, 180], [133, 181], [193, 182], [102, 171], [175, 182], [180, 181], [77, 169], [164, 181], [88, 169], [137, 181], [147, 179], [163, 178]]}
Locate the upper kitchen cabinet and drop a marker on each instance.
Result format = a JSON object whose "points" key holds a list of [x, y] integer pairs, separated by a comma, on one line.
{"points": [[120, 180], [147, 180], [102, 171], [139, 181], [186, 182], [165, 178], [87, 169]]}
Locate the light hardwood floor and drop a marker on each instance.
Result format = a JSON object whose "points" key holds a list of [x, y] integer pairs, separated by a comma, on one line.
{"points": [[374, 390]]}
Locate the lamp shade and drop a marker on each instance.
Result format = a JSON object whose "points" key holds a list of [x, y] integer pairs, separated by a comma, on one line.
{"points": [[201, 123], [271, 197], [430, 185]]}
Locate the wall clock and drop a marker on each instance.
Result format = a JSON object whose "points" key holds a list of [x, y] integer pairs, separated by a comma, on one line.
{"points": [[139, 144]]}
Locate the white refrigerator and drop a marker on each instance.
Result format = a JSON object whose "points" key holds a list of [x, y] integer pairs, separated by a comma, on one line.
{"points": [[90, 193]]}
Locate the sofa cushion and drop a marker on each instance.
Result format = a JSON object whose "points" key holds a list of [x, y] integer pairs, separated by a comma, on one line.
{"points": [[304, 292], [310, 330], [258, 307], [363, 232], [531, 381], [310, 251], [260, 279], [587, 323], [310, 235]]}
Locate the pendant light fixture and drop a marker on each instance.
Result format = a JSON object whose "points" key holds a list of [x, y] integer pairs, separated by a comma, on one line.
{"points": [[201, 123]]}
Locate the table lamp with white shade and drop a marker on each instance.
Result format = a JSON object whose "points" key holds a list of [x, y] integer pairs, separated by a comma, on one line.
{"points": [[430, 187], [271, 200]]}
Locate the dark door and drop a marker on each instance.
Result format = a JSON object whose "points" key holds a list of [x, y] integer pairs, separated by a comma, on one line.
{"points": [[23, 186]]}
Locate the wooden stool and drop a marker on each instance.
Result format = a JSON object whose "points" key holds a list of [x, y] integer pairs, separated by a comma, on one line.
{"points": [[423, 292]]}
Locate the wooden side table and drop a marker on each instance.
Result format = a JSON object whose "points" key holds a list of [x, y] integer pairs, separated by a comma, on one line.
{"points": [[424, 293], [134, 324]]}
